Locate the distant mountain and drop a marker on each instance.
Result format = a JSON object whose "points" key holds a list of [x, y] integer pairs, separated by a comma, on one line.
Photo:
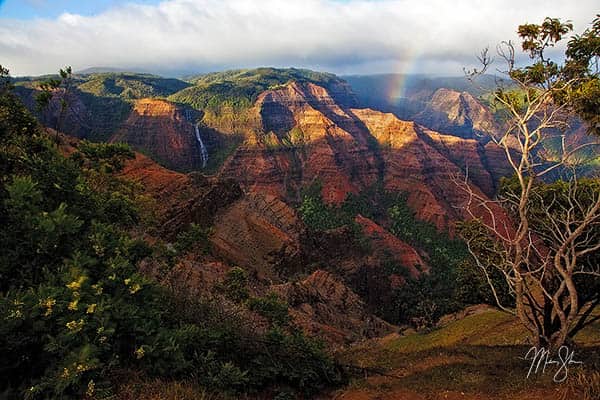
{"points": [[410, 95], [275, 113], [102, 70], [393, 87], [457, 113]]}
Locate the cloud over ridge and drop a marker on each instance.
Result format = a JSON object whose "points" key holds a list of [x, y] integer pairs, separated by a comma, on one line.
{"points": [[340, 36]]}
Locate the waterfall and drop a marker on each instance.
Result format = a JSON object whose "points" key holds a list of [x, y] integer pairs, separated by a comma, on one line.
{"points": [[203, 151]]}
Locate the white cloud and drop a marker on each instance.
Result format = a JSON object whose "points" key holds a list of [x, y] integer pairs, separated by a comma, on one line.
{"points": [[351, 36]]}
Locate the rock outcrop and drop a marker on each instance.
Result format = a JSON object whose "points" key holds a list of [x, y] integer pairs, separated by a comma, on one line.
{"points": [[384, 244], [323, 306], [458, 113], [165, 131], [259, 233], [311, 138]]}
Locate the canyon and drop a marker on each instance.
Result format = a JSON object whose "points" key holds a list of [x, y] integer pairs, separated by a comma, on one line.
{"points": [[296, 130]]}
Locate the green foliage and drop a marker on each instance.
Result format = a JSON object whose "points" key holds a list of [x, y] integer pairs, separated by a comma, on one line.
{"points": [[130, 85], [228, 144], [452, 282], [235, 285], [239, 89], [104, 156], [14, 119], [320, 217], [223, 352], [271, 307], [55, 88], [71, 300], [441, 249], [292, 359], [194, 236], [576, 83]]}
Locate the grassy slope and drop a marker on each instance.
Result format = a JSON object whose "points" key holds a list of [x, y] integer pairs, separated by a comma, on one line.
{"points": [[240, 88], [131, 86], [480, 355]]}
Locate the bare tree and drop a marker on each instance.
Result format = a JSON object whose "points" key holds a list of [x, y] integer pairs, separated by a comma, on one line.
{"points": [[55, 92], [548, 253]]}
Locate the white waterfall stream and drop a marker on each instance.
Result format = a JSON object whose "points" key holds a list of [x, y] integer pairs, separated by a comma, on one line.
{"points": [[203, 151]]}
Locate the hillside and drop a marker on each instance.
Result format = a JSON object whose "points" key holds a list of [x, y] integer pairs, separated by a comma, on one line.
{"points": [[478, 356], [130, 86], [313, 219]]}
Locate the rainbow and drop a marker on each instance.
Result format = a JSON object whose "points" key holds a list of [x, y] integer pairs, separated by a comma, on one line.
{"points": [[397, 85]]}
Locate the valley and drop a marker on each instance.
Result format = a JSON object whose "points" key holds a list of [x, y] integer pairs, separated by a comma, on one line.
{"points": [[340, 215]]}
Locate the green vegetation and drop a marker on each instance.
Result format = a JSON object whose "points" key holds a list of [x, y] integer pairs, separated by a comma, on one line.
{"points": [[228, 144], [453, 281], [74, 309], [130, 86], [194, 237], [272, 308], [480, 354], [239, 89], [320, 217], [235, 285]]}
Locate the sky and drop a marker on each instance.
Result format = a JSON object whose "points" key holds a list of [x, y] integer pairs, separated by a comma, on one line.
{"points": [[176, 37]]}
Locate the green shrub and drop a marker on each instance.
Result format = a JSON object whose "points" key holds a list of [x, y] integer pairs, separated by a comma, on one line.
{"points": [[194, 236], [235, 285], [271, 307]]}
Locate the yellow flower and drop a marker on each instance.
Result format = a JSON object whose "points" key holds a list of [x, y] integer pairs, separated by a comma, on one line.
{"points": [[47, 304], [98, 249], [127, 281], [90, 388], [91, 308], [97, 289], [75, 326], [135, 288], [73, 305], [139, 353], [82, 368], [65, 374], [16, 314], [76, 285]]}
